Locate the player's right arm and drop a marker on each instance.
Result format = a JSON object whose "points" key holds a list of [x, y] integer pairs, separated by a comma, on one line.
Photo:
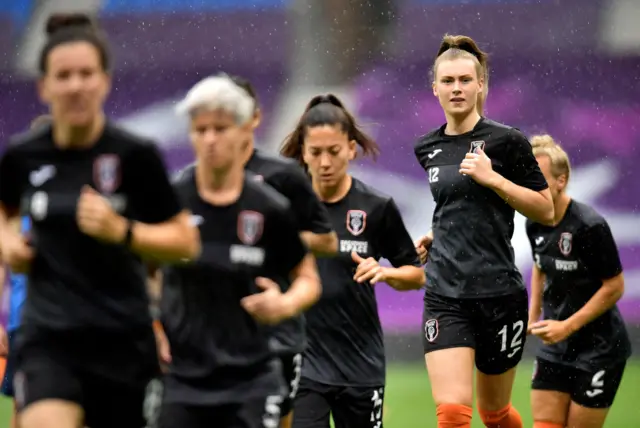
{"points": [[535, 303]]}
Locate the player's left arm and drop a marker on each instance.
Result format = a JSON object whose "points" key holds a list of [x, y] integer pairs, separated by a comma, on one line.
{"points": [[397, 246], [524, 187], [311, 214], [286, 255], [599, 252]]}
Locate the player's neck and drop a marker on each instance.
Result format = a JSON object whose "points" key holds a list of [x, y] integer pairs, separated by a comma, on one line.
{"points": [[65, 137], [334, 193], [250, 149], [219, 187], [457, 125], [560, 206]]}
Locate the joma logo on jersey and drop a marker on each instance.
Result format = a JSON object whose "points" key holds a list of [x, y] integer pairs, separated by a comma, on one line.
{"points": [[356, 221], [360, 247], [243, 254], [250, 226], [476, 145], [106, 173], [565, 243]]}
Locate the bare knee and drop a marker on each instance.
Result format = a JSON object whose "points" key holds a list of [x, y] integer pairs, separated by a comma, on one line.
{"points": [[451, 375], [494, 391], [550, 407], [51, 413]]}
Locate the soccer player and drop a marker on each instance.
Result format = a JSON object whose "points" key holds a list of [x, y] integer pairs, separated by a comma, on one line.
{"points": [[343, 371], [289, 179], [475, 304], [216, 311], [18, 293], [99, 200], [577, 279]]}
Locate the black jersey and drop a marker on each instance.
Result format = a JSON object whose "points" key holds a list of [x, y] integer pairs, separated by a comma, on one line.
{"points": [[343, 329], [575, 257], [219, 352], [75, 281], [286, 176], [471, 255]]}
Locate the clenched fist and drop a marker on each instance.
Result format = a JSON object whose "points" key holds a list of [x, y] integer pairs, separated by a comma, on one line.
{"points": [[96, 217]]}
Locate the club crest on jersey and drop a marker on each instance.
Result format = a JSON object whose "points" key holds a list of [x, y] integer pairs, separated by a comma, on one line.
{"points": [[431, 330], [356, 221], [250, 226], [106, 173], [565, 243], [258, 178], [476, 145]]}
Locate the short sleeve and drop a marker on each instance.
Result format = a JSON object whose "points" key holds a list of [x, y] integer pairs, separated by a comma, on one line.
{"points": [[395, 242], [286, 246], [599, 252], [12, 178], [311, 214], [154, 196], [523, 167]]}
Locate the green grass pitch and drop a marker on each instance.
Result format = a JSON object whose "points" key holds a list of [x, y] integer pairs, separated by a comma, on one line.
{"points": [[408, 402]]}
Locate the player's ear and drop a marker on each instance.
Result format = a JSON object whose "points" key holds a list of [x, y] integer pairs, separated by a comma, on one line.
{"points": [[433, 87], [561, 182], [43, 93], [353, 149], [257, 119]]}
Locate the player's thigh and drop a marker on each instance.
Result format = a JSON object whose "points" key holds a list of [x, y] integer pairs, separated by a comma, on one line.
{"points": [[449, 344], [47, 395], [500, 332], [551, 386], [358, 407], [585, 417], [291, 372], [103, 395], [312, 406], [597, 389]]}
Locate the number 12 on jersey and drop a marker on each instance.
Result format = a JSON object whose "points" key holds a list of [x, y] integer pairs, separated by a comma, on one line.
{"points": [[515, 333]]}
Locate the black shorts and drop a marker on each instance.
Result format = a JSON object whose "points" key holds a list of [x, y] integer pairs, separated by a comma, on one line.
{"points": [[593, 389], [7, 381], [255, 413], [107, 374], [350, 406], [495, 327], [291, 370]]}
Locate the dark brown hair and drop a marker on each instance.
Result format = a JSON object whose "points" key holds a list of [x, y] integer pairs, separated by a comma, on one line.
{"points": [[247, 86], [70, 28], [327, 110], [454, 47]]}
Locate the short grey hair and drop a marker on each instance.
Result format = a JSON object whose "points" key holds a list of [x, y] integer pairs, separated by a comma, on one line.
{"points": [[218, 93]]}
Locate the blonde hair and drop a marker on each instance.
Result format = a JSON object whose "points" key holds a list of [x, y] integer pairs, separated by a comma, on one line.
{"points": [[545, 145], [455, 47]]}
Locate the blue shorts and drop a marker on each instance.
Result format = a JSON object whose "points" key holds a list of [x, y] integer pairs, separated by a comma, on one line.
{"points": [[7, 381]]}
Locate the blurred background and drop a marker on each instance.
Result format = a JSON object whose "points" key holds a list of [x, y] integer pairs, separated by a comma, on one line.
{"points": [[566, 67]]}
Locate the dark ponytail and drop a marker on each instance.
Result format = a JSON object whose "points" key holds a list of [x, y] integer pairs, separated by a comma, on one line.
{"points": [[74, 27], [325, 110]]}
